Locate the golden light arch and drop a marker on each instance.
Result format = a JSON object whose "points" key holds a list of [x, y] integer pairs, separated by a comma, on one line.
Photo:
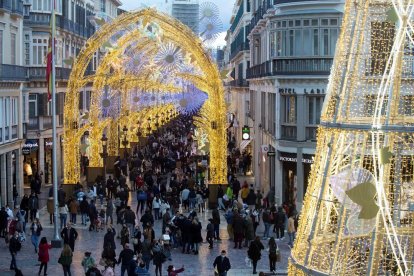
{"points": [[211, 118]]}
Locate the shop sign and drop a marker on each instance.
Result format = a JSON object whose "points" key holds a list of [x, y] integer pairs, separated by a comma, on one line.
{"points": [[30, 146], [271, 153], [48, 143], [294, 159]]}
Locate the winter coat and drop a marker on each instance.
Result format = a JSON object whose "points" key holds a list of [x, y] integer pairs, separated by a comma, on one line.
{"points": [[254, 250], [109, 239], [280, 218], [73, 207], [249, 229], [87, 263], [238, 225], [84, 207], [216, 216], [244, 193], [196, 231], [229, 193], [251, 198], [50, 205], [44, 252], [291, 225], [63, 210], [33, 203]]}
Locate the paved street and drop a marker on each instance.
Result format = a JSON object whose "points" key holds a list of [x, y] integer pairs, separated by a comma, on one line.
{"points": [[92, 241]]}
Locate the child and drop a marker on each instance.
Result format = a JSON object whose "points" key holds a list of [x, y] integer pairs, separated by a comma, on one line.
{"points": [[88, 261], [101, 219], [210, 233]]}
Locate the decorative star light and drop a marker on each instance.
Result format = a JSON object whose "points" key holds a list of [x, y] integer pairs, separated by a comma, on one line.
{"points": [[169, 58]]}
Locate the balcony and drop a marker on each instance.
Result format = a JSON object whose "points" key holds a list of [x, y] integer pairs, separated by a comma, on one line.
{"points": [[33, 124], [47, 122], [9, 72], [239, 83], [291, 66], [15, 7], [261, 11], [288, 132], [39, 73]]}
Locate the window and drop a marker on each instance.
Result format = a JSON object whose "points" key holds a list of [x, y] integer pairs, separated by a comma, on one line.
{"points": [[39, 51], [263, 109], [33, 106], [315, 42], [325, 42], [289, 109], [12, 48], [1, 46], [271, 124], [14, 111], [314, 104], [103, 8]]}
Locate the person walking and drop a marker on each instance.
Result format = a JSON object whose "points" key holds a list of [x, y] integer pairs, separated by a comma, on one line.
{"points": [[73, 208], [109, 238], [63, 215], [280, 219], [84, 209], [273, 250], [125, 257], [156, 204], [146, 252], [65, 259], [267, 223], [36, 229], [44, 255], [159, 258], [196, 234], [291, 229], [14, 247], [109, 211], [254, 252], [33, 206], [220, 194], [251, 198], [69, 235], [88, 261], [216, 223], [238, 230], [50, 205], [129, 218], [222, 264], [210, 233]]}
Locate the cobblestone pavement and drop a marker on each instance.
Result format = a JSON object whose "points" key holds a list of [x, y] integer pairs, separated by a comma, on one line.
{"points": [[93, 241]]}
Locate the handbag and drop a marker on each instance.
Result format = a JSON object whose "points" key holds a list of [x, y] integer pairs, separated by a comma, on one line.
{"points": [[278, 257], [134, 241]]}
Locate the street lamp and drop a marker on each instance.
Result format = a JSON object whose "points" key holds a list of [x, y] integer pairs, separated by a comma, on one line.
{"points": [[125, 141], [139, 134], [104, 153]]}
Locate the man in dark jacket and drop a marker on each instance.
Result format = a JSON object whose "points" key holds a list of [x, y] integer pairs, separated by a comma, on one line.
{"points": [[109, 238], [220, 194], [147, 217], [125, 258], [222, 264], [280, 219], [33, 206], [61, 196], [238, 230], [69, 235], [3, 222], [129, 217], [251, 199], [14, 247], [216, 223], [84, 209], [236, 188], [254, 252]]}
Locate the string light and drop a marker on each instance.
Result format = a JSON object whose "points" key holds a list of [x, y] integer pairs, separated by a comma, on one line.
{"points": [[158, 46]]}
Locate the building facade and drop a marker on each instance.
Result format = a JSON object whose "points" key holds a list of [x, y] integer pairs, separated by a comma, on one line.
{"points": [[187, 11], [291, 48], [12, 93]]}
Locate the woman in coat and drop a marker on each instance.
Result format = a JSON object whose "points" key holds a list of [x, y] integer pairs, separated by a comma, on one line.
{"points": [[65, 259], [44, 255], [36, 229], [254, 252], [109, 256], [249, 230], [196, 234], [124, 235], [50, 209], [272, 254], [109, 238]]}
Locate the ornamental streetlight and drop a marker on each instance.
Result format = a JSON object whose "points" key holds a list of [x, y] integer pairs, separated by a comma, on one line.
{"points": [[125, 140], [139, 134]]}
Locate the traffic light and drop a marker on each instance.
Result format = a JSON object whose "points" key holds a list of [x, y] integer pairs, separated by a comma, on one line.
{"points": [[246, 133]]}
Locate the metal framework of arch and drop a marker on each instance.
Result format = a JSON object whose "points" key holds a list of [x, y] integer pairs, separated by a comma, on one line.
{"points": [[148, 63]]}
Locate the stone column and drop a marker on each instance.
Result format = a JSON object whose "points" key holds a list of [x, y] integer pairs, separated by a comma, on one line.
{"points": [[9, 179], [301, 120], [299, 179], [3, 180], [278, 180], [19, 173]]}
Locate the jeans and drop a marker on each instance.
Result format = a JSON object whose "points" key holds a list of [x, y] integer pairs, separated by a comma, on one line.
{"points": [[84, 215], [272, 262], [124, 268], [73, 218], [280, 231], [66, 270], [221, 204], [41, 266], [222, 274], [35, 241], [101, 197], [156, 213], [147, 260], [254, 262], [217, 231], [267, 228], [63, 218], [13, 261], [193, 202], [291, 238], [33, 214], [141, 206]]}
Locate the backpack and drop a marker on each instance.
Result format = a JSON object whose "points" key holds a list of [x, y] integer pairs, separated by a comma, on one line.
{"points": [[142, 196]]}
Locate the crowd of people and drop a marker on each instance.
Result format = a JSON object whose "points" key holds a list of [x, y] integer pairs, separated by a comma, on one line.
{"points": [[162, 175]]}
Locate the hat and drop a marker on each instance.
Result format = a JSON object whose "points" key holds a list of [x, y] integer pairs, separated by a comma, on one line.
{"points": [[87, 253]]}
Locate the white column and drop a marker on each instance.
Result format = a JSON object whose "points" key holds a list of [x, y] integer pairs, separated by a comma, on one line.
{"points": [[9, 179], [3, 180], [19, 173], [278, 181], [300, 180]]}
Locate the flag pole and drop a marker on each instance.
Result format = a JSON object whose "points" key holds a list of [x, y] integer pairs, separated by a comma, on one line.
{"points": [[56, 242]]}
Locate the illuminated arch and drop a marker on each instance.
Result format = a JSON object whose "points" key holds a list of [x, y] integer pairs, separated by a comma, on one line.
{"points": [[135, 31]]}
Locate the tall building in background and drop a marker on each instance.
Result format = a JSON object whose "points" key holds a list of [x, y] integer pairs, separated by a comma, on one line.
{"points": [[187, 11]]}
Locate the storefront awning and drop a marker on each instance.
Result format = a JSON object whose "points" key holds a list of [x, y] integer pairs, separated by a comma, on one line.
{"points": [[244, 144]]}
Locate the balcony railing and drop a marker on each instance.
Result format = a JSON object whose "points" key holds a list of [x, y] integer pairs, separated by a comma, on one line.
{"points": [[311, 133], [13, 6], [10, 72], [237, 49], [47, 122], [288, 132], [36, 73], [291, 66], [33, 124], [239, 83]]}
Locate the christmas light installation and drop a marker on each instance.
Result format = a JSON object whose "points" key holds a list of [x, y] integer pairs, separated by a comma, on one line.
{"points": [[159, 46], [358, 214]]}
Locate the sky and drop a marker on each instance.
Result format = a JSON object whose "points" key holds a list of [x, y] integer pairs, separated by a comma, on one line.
{"points": [[225, 9]]}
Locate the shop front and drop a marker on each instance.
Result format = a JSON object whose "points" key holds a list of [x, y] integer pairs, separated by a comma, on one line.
{"points": [[30, 151], [48, 171], [294, 176]]}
